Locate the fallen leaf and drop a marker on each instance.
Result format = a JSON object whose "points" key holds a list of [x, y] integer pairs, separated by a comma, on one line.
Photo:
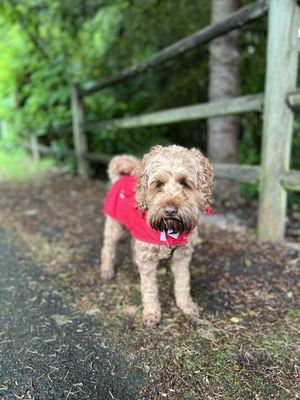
{"points": [[93, 311], [61, 319], [247, 262]]}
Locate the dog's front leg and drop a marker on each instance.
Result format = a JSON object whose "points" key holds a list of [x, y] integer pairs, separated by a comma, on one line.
{"points": [[180, 268], [147, 261], [113, 231]]}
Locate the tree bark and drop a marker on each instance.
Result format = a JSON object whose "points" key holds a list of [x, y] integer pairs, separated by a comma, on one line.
{"points": [[224, 82]]}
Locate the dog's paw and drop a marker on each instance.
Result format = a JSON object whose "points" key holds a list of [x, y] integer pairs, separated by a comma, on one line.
{"points": [[190, 309], [151, 319], [106, 274]]}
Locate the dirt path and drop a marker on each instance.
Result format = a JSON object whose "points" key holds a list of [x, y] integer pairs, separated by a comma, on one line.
{"points": [[46, 350], [59, 317]]}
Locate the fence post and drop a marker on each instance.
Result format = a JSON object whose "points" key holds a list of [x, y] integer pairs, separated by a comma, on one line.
{"points": [[80, 140], [281, 77], [35, 153]]}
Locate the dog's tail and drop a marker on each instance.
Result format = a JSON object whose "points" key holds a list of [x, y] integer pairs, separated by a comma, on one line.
{"points": [[122, 165]]}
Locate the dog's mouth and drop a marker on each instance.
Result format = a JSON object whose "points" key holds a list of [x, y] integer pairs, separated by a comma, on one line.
{"points": [[176, 225]]}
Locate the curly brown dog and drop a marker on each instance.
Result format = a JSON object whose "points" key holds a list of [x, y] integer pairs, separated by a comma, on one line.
{"points": [[172, 186]]}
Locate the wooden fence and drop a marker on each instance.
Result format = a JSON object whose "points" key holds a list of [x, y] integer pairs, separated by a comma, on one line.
{"points": [[277, 103]]}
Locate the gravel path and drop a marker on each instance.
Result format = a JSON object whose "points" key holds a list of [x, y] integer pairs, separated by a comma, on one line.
{"points": [[47, 352]]}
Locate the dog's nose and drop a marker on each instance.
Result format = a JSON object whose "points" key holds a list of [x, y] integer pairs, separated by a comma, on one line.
{"points": [[170, 210]]}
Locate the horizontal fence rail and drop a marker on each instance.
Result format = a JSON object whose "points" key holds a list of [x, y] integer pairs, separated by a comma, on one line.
{"points": [[98, 157], [248, 103], [60, 130], [47, 150], [188, 113], [64, 153], [236, 20], [291, 180], [293, 99], [241, 173]]}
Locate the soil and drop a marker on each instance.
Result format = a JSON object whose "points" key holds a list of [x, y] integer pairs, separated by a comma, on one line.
{"points": [[245, 346]]}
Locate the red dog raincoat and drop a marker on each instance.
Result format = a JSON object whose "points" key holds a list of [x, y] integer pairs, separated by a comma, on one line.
{"points": [[120, 204]]}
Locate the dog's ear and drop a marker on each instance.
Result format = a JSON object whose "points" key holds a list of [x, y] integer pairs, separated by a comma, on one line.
{"points": [[205, 175], [142, 177]]}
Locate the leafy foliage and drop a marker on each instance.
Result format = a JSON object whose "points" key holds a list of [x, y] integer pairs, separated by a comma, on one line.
{"points": [[47, 44]]}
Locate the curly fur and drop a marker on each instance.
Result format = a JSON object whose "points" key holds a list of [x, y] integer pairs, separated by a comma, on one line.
{"points": [[171, 175], [174, 175], [121, 165]]}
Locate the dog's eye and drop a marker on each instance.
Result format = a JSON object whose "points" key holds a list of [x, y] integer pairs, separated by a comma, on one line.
{"points": [[184, 184], [159, 184]]}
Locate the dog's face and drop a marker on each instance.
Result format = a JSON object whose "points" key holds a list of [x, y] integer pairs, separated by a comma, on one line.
{"points": [[174, 186]]}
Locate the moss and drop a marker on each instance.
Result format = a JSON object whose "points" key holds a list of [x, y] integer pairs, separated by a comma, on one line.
{"points": [[295, 314]]}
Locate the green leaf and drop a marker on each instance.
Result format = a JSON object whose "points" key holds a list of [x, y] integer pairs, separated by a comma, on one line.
{"points": [[187, 395], [93, 311], [61, 319], [247, 262]]}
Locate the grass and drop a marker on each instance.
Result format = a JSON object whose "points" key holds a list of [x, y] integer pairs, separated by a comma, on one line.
{"points": [[16, 164]]}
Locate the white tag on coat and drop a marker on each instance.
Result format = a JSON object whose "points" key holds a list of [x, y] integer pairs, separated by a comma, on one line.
{"points": [[163, 235]]}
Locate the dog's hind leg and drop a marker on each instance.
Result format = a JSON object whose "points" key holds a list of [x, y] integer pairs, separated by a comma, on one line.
{"points": [[113, 231]]}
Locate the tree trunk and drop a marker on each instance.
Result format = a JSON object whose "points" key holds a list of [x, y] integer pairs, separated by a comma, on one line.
{"points": [[224, 82]]}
